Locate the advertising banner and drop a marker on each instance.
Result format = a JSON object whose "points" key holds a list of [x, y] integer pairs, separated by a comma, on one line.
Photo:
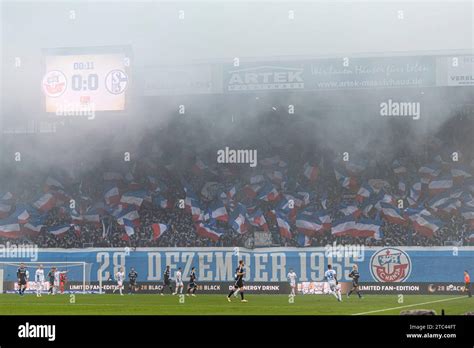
{"points": [[332, 74], [378, 265], [455, 71]]}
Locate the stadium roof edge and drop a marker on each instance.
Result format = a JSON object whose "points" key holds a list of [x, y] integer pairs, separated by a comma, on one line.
{"points": [[334, 55]]}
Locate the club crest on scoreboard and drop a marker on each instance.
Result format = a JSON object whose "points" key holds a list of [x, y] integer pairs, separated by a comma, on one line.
{"points": [[54, 83], [116, 81]]}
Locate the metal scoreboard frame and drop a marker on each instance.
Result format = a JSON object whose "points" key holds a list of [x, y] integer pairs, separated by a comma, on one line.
{"points": [[126, 50]]}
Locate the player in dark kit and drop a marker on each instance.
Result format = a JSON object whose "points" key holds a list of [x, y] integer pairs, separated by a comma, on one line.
{"points": [[50, 276], [355, 281], [167, 280], [132, 277], [192, 287], [239, 282], [22, 275]]}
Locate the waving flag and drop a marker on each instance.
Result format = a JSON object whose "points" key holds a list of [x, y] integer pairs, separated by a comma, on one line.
{"points": [[196, 210], [459, 173], [303, 240], [34, 226], [45, 202], [308, 223], [207, 231], [76, 217], [344, 180], [471, 237], [133, 197], [310, 172], [218, 211], [229, 193], [237, 219], [425, 224], [402, 188], [158, 230], [276, 177], [256, 179], [112, 195], [129, 227], [59, 230], [130, 214], [430, 170], [161, 202], [268, 193], [369, 228], [350, 209], [468, 214], [415, 192], [21, 213], [439, 185], [302, 199], [392, 214], [355, 167], [364, 192], [287, 206], [325, 218], [448, 208], [52, 183], [344, 226], [384, 197], [5, 209], [6, 196], [257, 219], [251, 191], [362, 228], [283, 225], [10, 228], [190, 196], [440, 200], [398, 168]]}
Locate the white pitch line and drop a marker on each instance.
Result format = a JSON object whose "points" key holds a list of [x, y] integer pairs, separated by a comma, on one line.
{"points": [[412, 305]]}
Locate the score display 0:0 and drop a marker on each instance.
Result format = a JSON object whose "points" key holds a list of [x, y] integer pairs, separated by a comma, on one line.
{"points": [[80, 84]]}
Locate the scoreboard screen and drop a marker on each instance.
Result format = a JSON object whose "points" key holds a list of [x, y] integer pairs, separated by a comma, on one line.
{"points": [[85, 81]]}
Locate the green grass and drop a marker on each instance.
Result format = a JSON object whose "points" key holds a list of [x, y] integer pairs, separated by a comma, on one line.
{"points": [[12, 304]]}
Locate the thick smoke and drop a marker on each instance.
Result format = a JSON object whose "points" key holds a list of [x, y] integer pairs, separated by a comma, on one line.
{"points": [[164, 33]]}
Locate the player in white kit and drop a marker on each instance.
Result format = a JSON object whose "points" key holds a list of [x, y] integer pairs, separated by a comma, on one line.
{"points": [[331, 278], [179, 281], [292, 278], [120, 276], [39, 279]]}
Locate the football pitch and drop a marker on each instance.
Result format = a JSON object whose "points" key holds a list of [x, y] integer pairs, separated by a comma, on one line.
{"points": [[140, 304]]}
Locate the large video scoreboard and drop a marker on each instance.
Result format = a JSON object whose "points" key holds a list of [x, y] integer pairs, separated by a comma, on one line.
{"points": [[79, 78]]}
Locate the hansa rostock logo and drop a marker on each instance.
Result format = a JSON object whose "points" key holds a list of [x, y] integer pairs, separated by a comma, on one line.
{"points": [[54, 83], [390, 265], [265, 77]]}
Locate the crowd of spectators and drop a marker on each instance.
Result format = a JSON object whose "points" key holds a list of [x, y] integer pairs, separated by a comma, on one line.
{"points": [[175, 162]]}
